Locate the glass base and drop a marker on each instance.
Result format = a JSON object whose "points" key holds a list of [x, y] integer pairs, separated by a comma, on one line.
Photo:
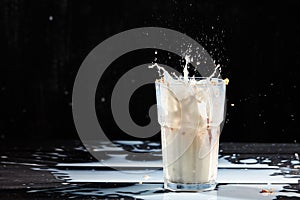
{"points": [[190, 187]]}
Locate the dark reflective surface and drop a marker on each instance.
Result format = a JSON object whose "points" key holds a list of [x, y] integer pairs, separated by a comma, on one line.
{"points": [[65, 170]]}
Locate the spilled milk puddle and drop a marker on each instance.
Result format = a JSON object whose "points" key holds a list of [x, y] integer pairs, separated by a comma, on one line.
{"points": [[69, 171]]}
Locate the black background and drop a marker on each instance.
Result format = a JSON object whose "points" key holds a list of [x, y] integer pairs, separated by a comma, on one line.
{"points": [[43, 44]]}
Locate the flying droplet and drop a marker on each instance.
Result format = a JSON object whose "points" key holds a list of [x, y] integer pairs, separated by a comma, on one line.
{"points": [[226, 80]]}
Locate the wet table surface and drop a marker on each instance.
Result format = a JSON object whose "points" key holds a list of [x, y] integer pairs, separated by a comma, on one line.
{"points": [[133, 170]]}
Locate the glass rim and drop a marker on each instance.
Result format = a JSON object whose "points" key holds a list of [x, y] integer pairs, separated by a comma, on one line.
{"points": [[219, 81]]}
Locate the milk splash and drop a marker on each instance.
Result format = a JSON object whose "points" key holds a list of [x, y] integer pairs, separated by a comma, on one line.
{"points": [[207, 92], [169, 78], [185, 70]]}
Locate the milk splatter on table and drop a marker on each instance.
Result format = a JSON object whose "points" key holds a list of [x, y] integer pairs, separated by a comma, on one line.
{"points": [[66, 170]]}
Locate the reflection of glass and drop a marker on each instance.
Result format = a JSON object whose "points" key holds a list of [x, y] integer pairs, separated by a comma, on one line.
{"points": [[190, 115]]}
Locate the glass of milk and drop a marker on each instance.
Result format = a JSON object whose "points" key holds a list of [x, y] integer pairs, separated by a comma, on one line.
{"points": [[190, 112]]}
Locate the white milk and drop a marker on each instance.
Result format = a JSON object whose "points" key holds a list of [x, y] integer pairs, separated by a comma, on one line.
{"points": [[190, 112]]}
